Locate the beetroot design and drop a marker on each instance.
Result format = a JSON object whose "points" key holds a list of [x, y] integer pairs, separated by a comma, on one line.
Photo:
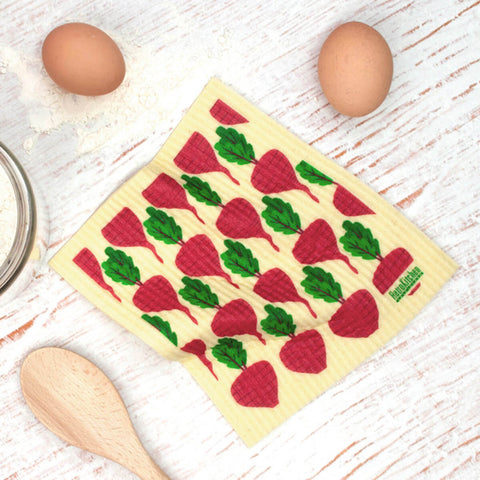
{"points": [[265, 269], [317, 243], [357, 316], [166, 192], [197, 156], [225, 114], [87, 261], [257, 384], [162, 326], [344, 201], [360, 242], [198, 348], [272, 173], [154, 295], [238, 218], [304, 352], [237, 317], [197, 256], [273, 285], [125, 230]]}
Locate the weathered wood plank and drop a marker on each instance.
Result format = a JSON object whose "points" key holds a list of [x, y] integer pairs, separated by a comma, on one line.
{"points": [[409, 412]]}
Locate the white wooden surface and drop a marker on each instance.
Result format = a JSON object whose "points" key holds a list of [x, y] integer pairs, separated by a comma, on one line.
{"points": [[412, 410]]}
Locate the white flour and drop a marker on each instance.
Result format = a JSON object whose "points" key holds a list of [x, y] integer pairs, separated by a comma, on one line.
{"points": [[142, 103], [8, 215], [134, 109]]}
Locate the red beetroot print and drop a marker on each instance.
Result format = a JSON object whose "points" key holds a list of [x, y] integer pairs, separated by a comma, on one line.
{"points": [[197, 256], [125, 230], [87, 261], [226, 115], [303, 353], [348, 204], [197, 347], [317, 243], [391, 268], [198, 156], [357, 316], [238, 218], [360, 242], [273, 173], [274, 285], [236, 317], [154, 295], [344, 201], [166, 192], [309, 250], [257, 385]]}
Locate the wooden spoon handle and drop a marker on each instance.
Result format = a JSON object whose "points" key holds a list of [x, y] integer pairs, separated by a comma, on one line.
{"points": [[151, 471], [141, 464]]}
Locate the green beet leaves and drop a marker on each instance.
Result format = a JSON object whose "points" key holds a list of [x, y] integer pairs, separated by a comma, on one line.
{"points": [[239, 259], [162, 326], [359, 241], [198, 293], [201, 191], [230, 352], [280, 216], [278, 322], [234, 147], [321, 284], [312, 175], [120, 267], [162, 227]]}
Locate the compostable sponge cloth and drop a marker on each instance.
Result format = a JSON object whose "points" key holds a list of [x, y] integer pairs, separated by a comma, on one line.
{"points": [[266, 269]]}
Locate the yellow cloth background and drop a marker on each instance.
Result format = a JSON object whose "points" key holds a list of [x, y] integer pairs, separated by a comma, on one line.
{"points": [[343, 354]]}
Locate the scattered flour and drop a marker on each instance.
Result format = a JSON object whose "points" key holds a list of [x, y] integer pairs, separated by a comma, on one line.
{"points": [[134, 109], [154, 89], [8, 215]]}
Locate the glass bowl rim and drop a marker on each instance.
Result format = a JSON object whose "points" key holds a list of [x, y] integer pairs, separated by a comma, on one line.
{"points": [[26, 220]]}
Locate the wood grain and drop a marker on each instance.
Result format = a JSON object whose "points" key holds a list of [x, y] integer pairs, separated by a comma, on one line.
{"points": [[77, 402], [411, 411]]}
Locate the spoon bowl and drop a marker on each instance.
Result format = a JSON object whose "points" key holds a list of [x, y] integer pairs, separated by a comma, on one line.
{"points": [[74, 399]]}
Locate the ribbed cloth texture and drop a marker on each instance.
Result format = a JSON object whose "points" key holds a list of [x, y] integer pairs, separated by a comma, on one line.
{"points": [[269, 271]]}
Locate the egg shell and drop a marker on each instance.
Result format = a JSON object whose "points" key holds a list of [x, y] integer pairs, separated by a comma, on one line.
{"points": [[83, 59], [355, 69]]}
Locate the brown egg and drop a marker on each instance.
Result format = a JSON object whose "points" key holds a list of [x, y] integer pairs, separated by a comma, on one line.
{"points": [[355, 69], [82, 59]]}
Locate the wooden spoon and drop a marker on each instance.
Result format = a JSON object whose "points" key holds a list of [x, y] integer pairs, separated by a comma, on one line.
{"points": [[75, 400]]}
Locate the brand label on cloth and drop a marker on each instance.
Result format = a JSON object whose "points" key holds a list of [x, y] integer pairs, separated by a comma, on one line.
{"points": [[269, 271], [407, 284]]}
